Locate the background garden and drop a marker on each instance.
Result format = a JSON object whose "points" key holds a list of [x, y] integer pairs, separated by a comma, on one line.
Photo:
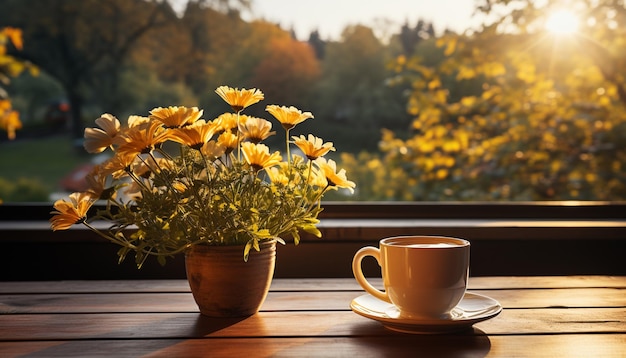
{"points": [[507, 111]]}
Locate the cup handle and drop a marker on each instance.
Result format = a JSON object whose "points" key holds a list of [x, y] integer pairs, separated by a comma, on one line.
{"points": [[358, 272]]}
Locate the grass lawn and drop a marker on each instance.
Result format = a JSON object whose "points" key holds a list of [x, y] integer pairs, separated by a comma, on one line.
{"points": [[45, 160]]}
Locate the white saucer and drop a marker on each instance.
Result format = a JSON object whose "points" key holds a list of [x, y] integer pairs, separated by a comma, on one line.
{"points": [[473, 308]]}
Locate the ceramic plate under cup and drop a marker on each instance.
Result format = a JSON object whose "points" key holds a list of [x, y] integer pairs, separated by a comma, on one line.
{"points": [[473, 308]]}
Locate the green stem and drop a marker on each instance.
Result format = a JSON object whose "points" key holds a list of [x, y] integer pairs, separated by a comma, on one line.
{"points": [[113, 239], [287, 145]]}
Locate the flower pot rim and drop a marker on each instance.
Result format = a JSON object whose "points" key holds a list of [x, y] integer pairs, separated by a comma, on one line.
{"points": [[206, 244]]}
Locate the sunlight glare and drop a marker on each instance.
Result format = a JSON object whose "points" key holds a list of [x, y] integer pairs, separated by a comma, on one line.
{"points": [[562, 22]]}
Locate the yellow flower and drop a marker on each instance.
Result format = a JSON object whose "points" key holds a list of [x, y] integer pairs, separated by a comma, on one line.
{"points": [[119, 165], [239, 99], [228, 140], [72, 212], [259, 157], [135, 121], [99, 139], [213, 150], [313, 147], [335, 179], [289, 117], [277, 176], [256, 129], [96, 182], [143, 139], [176, 117], [228, 121], [317, 178], [196, 135]]}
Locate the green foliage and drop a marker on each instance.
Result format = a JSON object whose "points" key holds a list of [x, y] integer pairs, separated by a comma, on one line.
{"points": [[33, 95], [154, 92], [541, 125], [230, 207], [44, 160], [352, 96], [22, 190]]}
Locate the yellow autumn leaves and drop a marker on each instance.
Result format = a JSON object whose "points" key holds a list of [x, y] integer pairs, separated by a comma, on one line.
{"points": [[9, 67]]}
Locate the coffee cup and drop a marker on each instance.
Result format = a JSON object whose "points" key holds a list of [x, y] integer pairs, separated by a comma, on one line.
{"points": [[425, 277]]}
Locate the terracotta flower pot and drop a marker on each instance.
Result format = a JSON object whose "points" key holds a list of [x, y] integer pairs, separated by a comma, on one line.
{"points": [[223, 284]]}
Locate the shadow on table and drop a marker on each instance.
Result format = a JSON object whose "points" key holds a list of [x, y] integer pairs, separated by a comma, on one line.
{"points": [[373, 340], [152, 336], [469, 343]]}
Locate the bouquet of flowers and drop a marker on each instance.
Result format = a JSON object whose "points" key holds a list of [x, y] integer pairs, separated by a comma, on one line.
{"points": [[175, 180]]}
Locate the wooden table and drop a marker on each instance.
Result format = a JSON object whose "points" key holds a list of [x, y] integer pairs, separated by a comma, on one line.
{"points": [[577, 316]]}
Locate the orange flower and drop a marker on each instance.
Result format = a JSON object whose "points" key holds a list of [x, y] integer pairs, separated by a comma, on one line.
{"points": [[335, 179], [99, 139], [256, 129], [228, 121], [72, 212], [135, 121], [196, 135], [239, 99], [313, 147], [289, 117], [317, 178], [119, 165], [176, 117], [96, 182], [143, 139], [259, 157], [228, 140], [213, 150]]}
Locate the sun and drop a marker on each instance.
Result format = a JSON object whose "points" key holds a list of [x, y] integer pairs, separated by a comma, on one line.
{"points": [[562, 22]]}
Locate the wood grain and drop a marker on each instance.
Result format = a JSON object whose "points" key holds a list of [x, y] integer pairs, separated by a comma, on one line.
{"points": [[286, 324], [571, 316], [302, 284], [288, 301]]}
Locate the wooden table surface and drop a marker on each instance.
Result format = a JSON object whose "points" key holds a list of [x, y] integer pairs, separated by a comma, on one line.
{"points": [[573, 316]]}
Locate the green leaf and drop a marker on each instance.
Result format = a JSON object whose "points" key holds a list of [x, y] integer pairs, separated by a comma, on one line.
{"points": [[246, 250], [296, 237], [312, 229]]}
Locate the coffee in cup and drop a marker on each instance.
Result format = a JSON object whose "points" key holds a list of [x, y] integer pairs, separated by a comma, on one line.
{"points": [[425, 277]]}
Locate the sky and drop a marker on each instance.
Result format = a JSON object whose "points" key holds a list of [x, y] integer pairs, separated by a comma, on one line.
{"points": [[330, 17]]}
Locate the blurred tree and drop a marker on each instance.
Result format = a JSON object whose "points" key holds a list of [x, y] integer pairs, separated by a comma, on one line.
{"points": [[213, 37], [289, 71], [154, 92], [89, 45], [33, 95], [238, 60], [82, 43], [353, 98], [529, 115], [319, 45], [411, 37]]}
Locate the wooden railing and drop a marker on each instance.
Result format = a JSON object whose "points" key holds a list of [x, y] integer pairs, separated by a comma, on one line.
{"points": [[530, 238]]}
